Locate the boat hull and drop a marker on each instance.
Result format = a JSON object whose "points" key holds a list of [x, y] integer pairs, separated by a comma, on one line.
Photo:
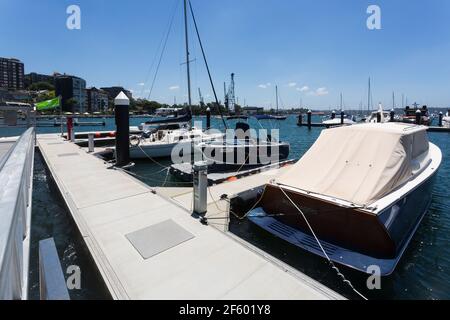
{"points": [[348, 236], [226, 157]]}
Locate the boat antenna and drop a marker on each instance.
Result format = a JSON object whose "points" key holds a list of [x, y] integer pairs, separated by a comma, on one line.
{"points": [[186, 35], [206, 64]]}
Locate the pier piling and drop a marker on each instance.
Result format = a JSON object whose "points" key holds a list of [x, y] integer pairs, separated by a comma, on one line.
{"points": [[309, 119], [121, 111], [208, 118], [91, 142], [70, 134], [418, 117], [441, 116], [300, 119], [342, 117], [392, 115]]}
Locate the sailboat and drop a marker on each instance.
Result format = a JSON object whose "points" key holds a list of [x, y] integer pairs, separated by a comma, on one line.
{"points": [[336, 120], [269, 116], [160, 137]]}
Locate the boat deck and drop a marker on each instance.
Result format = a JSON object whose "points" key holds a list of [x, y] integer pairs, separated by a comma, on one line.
{"points": [[147, 245]]}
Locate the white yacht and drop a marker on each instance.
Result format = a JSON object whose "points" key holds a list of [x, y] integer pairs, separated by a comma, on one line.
{"points": [[373, 118]]}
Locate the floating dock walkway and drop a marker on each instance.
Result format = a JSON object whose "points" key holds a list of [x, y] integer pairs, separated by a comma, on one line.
{"points": [[147, 245]]}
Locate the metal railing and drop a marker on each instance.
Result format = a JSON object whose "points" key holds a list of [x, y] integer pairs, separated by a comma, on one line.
{"points": [[16, 173], [52, 285]]}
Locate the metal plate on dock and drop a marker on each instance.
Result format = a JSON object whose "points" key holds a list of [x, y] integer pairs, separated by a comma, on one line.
{"points": [[158, 238], [54, 143], [68, 154]]}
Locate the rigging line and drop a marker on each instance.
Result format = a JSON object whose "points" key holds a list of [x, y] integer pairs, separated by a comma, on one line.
{"points": [[206, 64], [333, 266], [155, 57], [151, 159], [163, 49]]}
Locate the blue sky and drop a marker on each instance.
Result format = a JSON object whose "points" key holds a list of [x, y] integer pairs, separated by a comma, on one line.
{"points": [[322, 46]]}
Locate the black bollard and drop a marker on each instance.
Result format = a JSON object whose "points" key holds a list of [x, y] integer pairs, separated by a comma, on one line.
{"points": [[300, 120], [418, 117], [121, 110], [208, 118], [379, 117], [392, 114], [309, 119], [441, 116], [333, 115], [342, 117]]}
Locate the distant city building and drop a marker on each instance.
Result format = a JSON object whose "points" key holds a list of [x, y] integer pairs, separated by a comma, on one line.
{"points": [[97, 100], [252, 110], [71, 87], [34, 77], [15, 96], [11, 74], [113, 92]]}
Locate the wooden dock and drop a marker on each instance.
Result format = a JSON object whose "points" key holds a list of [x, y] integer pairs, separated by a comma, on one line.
{"points": [[123, 221]]}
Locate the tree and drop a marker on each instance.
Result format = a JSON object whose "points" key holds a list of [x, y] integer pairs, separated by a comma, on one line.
{"points": [[39, 86], [69, 104], [48, 95]]}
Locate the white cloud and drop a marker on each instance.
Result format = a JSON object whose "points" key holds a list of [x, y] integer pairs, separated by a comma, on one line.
{"points": [[292, 84], [264, 85], [322, 91], [303, 89], [319, 92], [172, 88], [141, 84]]}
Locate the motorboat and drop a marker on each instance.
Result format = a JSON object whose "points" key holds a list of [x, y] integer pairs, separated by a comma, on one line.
{"points": [[411, 113], [446, 120], [375, 116], [269, 117], [173, 122], [242, 151], [358, 194], [335, 120]]}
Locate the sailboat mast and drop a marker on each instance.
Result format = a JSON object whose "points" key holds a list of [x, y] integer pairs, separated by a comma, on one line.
{"points": [[341, 101], [276, 95], [393, 100], [368, 98], [187, 55]]}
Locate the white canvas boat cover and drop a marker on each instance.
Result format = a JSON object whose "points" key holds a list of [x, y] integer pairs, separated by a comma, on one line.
{"points": [[360, 163]]}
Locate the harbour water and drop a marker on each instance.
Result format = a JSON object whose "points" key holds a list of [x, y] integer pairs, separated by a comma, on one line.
{"points": [[423, 272]]}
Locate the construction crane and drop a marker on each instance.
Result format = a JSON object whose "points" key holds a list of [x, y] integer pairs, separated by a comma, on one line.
{"points": [[230, 98], [200, 97]]}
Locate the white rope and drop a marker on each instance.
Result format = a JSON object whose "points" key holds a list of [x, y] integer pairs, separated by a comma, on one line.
{"points": [[153, 160], [320, 245]]}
